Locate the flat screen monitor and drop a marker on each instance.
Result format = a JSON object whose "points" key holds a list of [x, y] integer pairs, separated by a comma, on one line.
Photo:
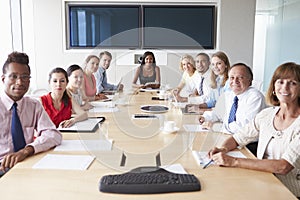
{"points": [[179, 26]]}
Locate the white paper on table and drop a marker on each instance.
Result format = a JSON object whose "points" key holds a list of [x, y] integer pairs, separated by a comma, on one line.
{"points": [[202, 158], [84, 145], [194, 128], [103, 109], [65, 162], [180, 104], [175, 168]]}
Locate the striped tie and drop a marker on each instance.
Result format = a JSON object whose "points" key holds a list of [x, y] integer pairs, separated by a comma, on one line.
{"points": [[232, 114]]}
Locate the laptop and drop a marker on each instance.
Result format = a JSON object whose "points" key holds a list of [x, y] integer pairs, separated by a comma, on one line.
{"points": [[89, 125], [112, 92]]}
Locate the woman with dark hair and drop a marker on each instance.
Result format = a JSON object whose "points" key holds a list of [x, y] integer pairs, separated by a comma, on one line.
{"points": [[74, 87], [147, 73], [58, 104], [277, 130]]}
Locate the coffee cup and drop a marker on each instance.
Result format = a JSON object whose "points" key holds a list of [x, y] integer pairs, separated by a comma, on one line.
{"points": [[169, 126], [162, 94]]}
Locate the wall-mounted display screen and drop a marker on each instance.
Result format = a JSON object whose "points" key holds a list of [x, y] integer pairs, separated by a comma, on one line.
{"points": [[141, 26], [180, 26]]}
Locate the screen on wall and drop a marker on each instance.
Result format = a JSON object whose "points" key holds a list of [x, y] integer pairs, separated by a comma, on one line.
{"points": [[178, 25], [91, 26], [141, 26]]}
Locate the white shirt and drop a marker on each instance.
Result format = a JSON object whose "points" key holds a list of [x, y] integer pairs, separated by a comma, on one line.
{"points": [[206, 87], [187, 80], [250, 103]]}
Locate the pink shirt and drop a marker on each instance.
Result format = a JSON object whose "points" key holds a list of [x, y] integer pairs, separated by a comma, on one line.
{"points": [[33, 118], [90, 91]]}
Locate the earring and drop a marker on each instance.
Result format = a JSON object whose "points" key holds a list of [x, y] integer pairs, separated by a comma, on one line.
{"points": [[273, 93]]}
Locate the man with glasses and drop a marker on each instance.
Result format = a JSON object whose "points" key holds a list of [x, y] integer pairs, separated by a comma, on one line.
{"points": [[21, 117]]}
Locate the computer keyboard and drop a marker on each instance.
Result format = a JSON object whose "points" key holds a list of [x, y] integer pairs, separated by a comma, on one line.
{"points": [[149, 180]]}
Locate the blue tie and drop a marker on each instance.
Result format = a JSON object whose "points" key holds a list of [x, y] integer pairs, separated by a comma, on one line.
{"points": [[201, 86], [16, 130], [232, 116]]}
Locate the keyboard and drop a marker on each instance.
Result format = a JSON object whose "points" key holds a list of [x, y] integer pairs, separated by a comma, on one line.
{"points": [[149, 180]]}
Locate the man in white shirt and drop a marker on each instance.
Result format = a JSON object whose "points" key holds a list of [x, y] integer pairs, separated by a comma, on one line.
{"points": [[250, 101]]}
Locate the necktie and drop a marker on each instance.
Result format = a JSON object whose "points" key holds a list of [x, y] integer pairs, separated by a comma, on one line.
{"points": [[201, 86], [232, 116], [16, 130]]}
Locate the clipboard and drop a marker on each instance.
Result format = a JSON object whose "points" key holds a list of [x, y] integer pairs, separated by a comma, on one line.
{"points": [[89, 125]]}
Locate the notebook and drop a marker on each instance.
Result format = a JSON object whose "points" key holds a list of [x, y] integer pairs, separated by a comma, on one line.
{"points": [[89, 125]]}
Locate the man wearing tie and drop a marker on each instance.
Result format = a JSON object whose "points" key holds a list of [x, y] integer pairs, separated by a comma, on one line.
{"points": [[101, 75], [237, 107], [21, 117]]}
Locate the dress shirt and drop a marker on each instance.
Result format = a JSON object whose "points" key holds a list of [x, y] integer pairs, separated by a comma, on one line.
{"points": [[251, 102], [206, 87], [274, 144], [101, 81], [33, 118]]}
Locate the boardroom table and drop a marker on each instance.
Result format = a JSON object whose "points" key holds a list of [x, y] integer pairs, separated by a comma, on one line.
{"points": [[141, 143]]}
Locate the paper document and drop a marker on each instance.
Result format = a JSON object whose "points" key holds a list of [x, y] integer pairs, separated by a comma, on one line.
{"points": [[103, 109], [194, 128], [202, 158], [175, 168], [65, 162], [85, 145]]}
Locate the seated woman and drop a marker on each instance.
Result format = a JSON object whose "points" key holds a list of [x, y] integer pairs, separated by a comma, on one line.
{"points": [[277, 130], [74, 87], [91, 66], [147, 73], [58, 104], [187, 65]]}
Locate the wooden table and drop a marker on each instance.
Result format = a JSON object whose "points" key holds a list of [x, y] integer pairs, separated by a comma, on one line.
{"points": [[23, 182]]}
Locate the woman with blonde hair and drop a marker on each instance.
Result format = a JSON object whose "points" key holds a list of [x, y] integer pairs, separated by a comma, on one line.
{"points": [[187, 66]]}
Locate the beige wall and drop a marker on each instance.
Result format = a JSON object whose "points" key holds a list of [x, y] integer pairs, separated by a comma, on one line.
{"points": [[44, 40]]}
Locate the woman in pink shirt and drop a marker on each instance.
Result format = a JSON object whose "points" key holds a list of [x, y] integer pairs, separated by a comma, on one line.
{"points": [[89, 83]]}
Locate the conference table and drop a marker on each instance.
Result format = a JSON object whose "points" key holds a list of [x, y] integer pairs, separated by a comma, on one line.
{"points": [[135, 143]]}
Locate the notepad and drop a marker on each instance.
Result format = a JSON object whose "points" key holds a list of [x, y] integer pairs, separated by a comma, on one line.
{"points": [[194, 128], [202, 158], [84, 145], [103, 110], [89, 125], [64, 162]]}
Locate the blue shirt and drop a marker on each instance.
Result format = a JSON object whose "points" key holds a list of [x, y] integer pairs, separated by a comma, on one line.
{"points": [[101, 81]]}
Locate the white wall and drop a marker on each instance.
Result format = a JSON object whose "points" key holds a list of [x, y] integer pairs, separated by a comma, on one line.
{"points": [[45, 37]]}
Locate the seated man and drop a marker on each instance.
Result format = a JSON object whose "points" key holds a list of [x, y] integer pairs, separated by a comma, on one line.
{"points": [[21, 116], [101, 76], [237, 107]]}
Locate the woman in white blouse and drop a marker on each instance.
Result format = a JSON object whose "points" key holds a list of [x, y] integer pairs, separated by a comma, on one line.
{"points": [[277, 130], [187, 66]]}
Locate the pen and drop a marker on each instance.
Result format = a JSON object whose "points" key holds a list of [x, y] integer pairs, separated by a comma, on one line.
{"points": [[206, 165]]}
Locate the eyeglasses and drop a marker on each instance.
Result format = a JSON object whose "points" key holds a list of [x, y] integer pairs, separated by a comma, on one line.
{"points": [[14, 77]]}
